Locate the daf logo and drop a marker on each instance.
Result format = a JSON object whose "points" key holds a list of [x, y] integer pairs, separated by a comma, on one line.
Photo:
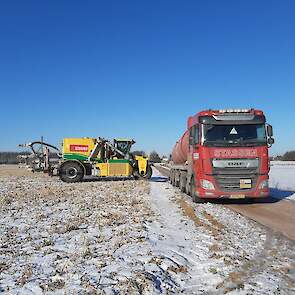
{"points": [[235, 163]]}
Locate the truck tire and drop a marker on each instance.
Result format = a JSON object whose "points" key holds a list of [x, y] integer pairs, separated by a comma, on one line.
{"points": [[182, 182], [71, 171], [177, 179], [172, 178], [193, 193]]}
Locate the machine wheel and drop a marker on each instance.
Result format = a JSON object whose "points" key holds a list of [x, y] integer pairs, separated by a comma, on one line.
{"points": [[193, 193], [148, 174], [71, 172]]}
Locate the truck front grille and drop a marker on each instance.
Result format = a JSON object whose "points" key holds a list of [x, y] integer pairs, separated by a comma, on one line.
{"points": [[228, 179]]}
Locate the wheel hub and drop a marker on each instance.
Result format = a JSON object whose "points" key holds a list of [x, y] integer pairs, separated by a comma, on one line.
{"points": [[72, 172]]}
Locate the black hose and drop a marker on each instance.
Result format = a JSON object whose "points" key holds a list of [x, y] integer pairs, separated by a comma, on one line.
{"points": [[46, 144]]}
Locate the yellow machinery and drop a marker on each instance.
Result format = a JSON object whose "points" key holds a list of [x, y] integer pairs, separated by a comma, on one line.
{"points": [[99, 157]]}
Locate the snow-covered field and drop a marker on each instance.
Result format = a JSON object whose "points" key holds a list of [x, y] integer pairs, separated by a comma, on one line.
{"points": [[132, 237], [282, 179]]}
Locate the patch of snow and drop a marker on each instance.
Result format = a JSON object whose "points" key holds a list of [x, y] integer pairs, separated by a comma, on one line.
{"points": [[282, 180], [179, 243]]}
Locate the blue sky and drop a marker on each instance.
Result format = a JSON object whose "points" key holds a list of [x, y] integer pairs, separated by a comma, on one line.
{"points": [[140, 68]]}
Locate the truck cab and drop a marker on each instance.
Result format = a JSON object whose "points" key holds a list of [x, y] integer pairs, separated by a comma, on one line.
{"points": [[227, 154]]}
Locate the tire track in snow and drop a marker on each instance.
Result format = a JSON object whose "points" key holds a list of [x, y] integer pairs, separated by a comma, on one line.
{"points": [[246, 256], [174, 237]]}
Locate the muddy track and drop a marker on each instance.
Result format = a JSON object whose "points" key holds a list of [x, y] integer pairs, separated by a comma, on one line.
{"points": [[278, 215]]}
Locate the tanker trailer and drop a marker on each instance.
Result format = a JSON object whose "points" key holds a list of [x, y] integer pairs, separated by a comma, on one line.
{"points": [[223, 154], [180, 151]]}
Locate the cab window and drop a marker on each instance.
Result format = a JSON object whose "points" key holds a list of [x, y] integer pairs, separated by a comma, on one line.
{"points": [[194, 133]]}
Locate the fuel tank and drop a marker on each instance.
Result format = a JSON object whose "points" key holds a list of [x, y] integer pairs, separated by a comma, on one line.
{"points": [[180, 150]]}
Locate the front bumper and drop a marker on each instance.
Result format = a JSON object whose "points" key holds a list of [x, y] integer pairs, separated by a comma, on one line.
{"points": [[218, 193]]}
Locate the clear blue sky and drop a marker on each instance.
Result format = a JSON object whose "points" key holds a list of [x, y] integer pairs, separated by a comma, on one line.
{"points": [[140, 68]]}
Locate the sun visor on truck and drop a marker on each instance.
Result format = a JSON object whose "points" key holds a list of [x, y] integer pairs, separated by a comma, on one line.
{"points": [[232, 119]]}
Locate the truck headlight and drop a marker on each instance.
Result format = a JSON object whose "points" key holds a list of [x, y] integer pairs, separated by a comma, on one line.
{"points": [[206, 184], [264, 184]]}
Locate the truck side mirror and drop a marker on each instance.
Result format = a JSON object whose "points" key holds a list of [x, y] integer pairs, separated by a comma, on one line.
{"points": [[269, 130], [270, 141], [191, 140]]}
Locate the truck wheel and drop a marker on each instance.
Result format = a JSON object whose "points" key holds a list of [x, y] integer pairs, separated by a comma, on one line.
{"points": [[71, 172], [182, 184], [193, 192], [171, 177], [177, 179]]}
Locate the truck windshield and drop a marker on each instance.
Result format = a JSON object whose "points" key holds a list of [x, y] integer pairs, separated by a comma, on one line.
{"points": [[236, 135]]}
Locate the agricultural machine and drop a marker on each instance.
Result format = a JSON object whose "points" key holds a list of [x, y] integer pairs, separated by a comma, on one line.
{"points": [[86, 156]]}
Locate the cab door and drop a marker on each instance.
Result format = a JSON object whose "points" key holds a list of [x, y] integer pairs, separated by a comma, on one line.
{"points": [[193, 159]]}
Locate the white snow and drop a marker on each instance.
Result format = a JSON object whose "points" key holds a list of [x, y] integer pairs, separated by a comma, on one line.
{"points": [[176, 239], [282, 179]]}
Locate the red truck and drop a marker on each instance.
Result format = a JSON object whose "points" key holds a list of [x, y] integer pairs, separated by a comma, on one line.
{"points": [[223, 155]]}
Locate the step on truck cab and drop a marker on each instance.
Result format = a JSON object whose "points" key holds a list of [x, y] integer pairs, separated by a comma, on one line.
{"points": [[223, 154]]}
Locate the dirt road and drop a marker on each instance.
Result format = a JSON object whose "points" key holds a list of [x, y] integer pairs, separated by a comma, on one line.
{"points": [[279, 215]]}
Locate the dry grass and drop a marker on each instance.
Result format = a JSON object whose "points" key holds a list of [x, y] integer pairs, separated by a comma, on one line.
{"points": [[189, 211], [178, 269], [210, 223]]}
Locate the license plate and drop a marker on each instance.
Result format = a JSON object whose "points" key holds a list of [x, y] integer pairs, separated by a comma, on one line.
{"points": [[237, 196], [245, 183]]}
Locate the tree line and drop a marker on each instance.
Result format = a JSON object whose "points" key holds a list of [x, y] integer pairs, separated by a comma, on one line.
{"points": [[288, 156], [10, 157], [153, 156]]}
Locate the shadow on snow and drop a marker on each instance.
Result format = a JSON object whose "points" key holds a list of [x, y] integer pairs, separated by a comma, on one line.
{"points": [[276, 195], [159, 179]]}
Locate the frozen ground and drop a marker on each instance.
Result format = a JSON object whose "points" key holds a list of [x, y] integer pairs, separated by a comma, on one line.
{"points": [[282, 179], [129, 237]]}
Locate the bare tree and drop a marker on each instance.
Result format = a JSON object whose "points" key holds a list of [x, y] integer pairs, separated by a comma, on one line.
{"points": [[154, 157], [138, 153], [10, 157], [289, 156]]}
